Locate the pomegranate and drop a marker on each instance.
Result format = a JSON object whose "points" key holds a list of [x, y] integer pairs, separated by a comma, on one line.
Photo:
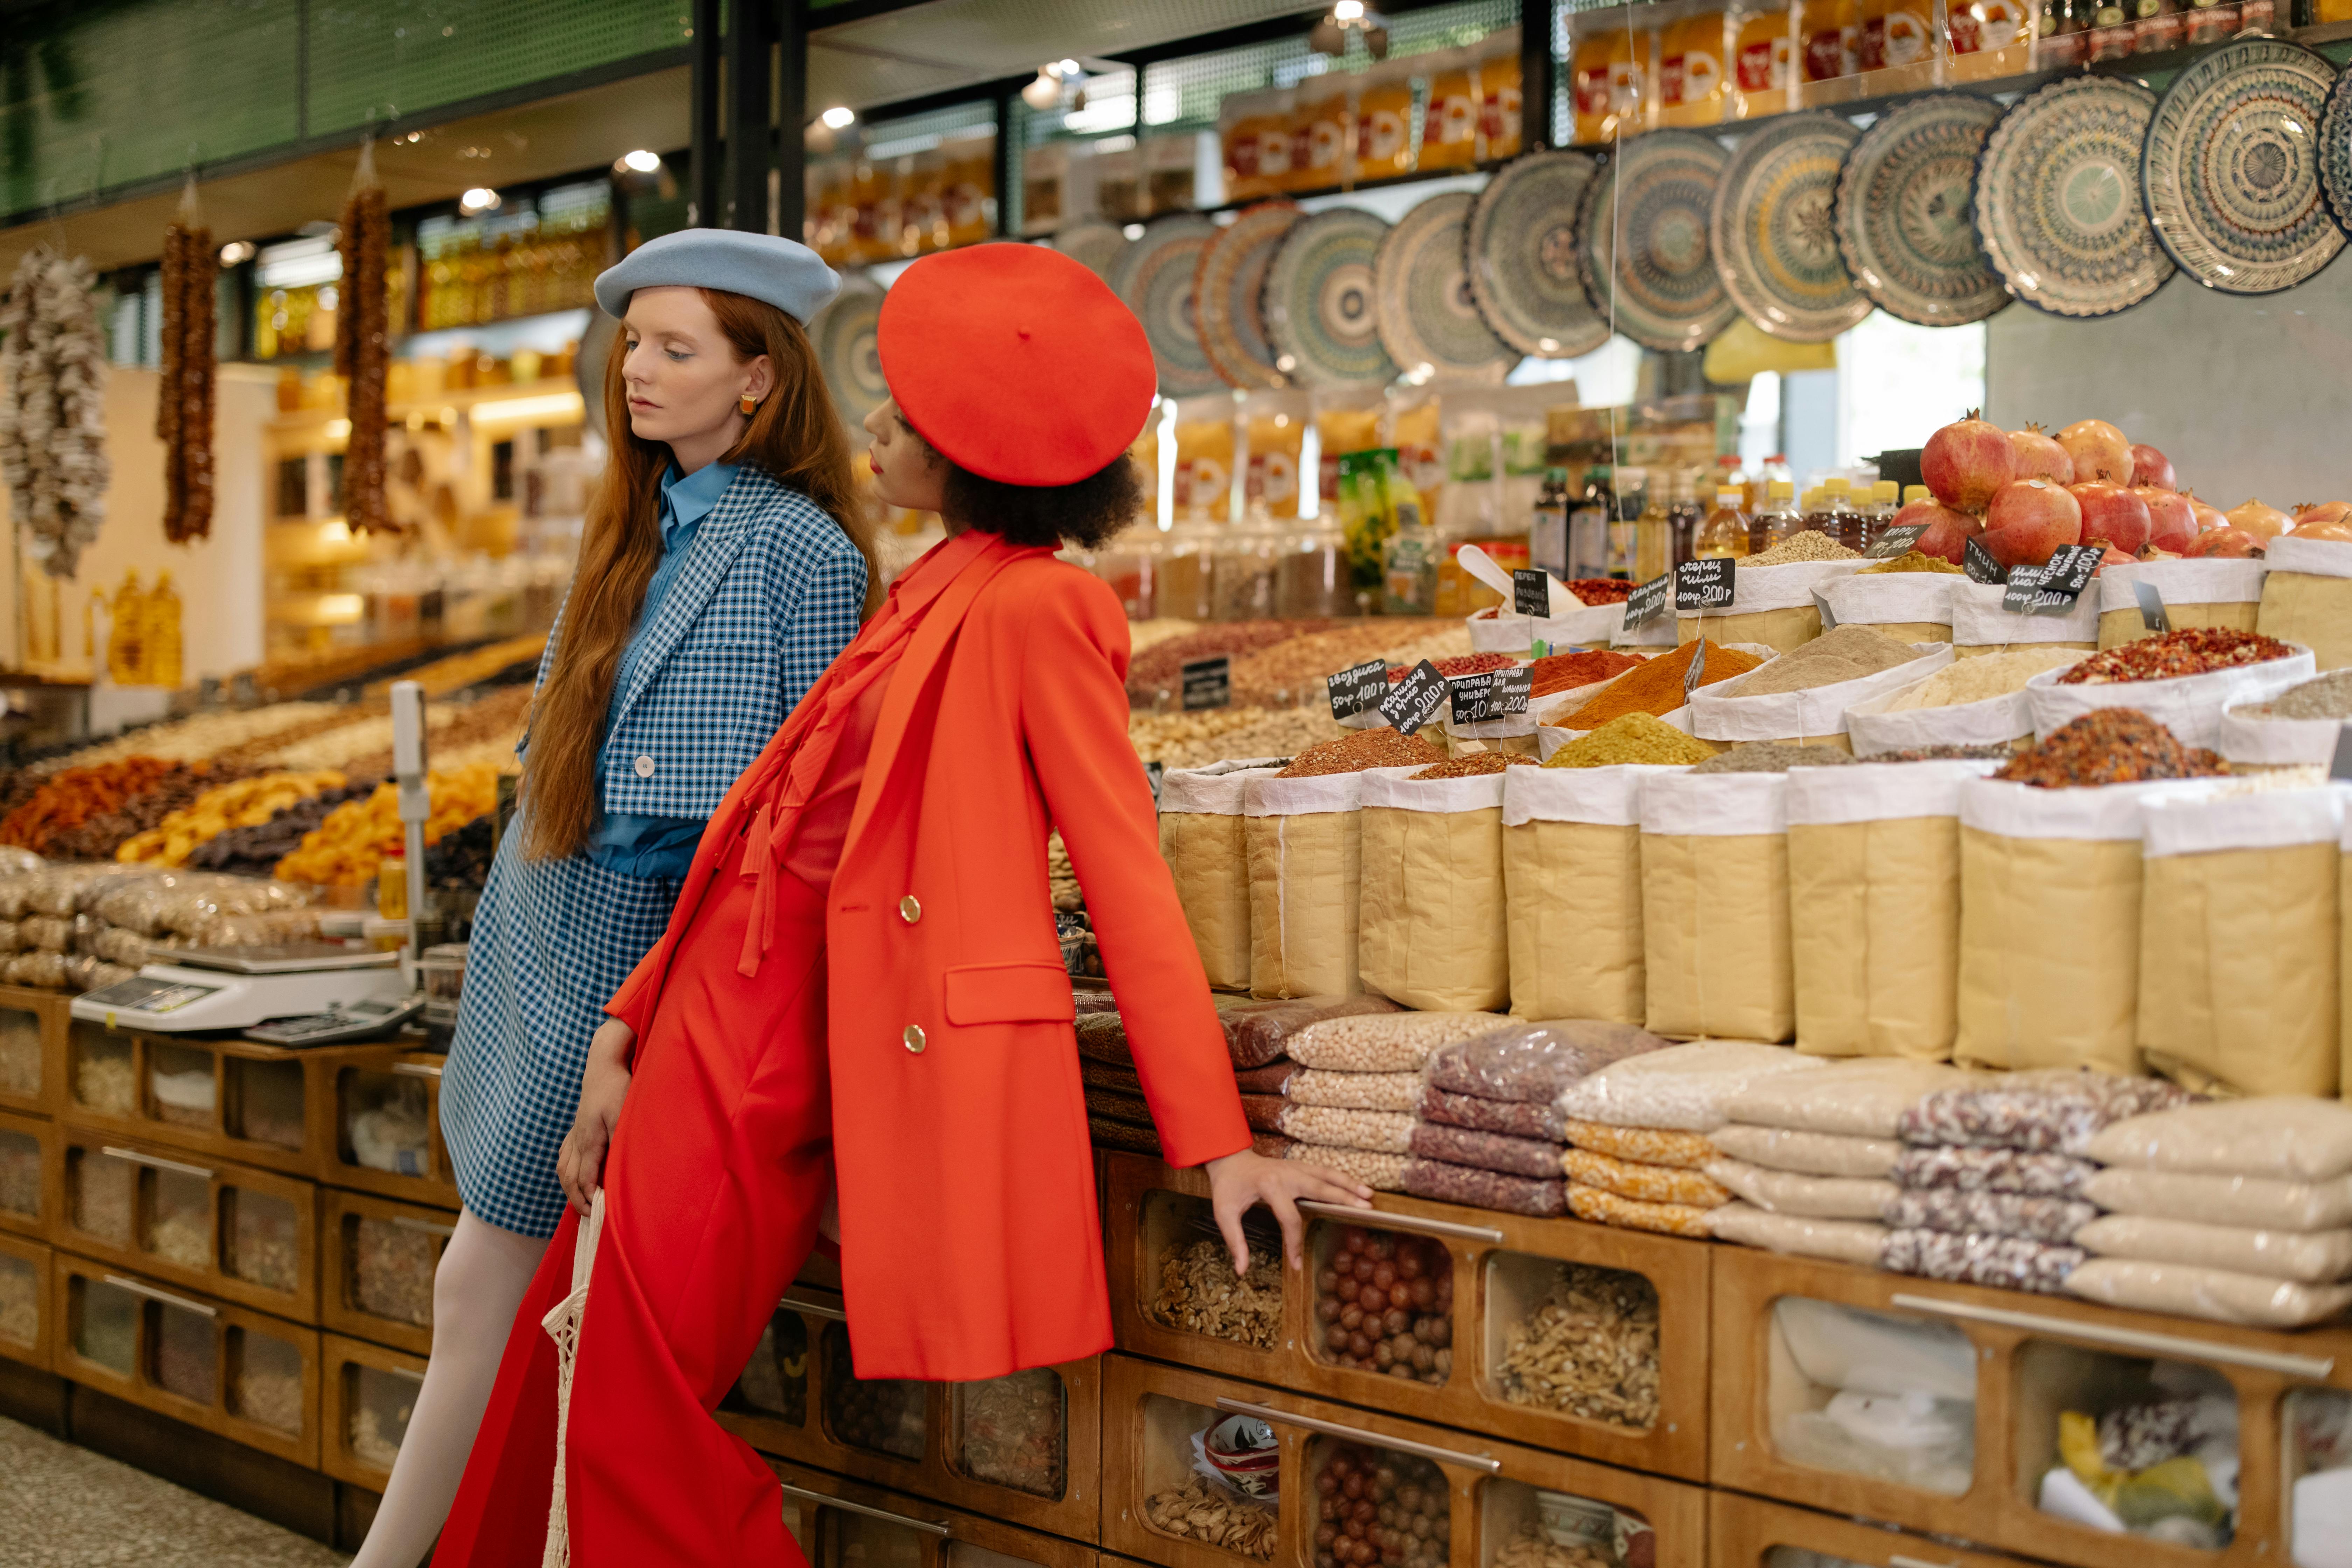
{"points": [[2172, 523], [2151, 468], [2335, 528], [1948, 532], [2113, 557], [1966, 461], [2029, 521], [2264, 522], [2113, 513], [2310, 512], [2040, 458], [2208, 517], [2099, 451], [2224, 543]]}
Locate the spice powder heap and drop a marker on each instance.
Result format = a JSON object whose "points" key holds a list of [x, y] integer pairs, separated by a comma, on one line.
{"points": [[1381, 748], [1846, 653], [1657, 686], [1589, 591], [1805, 544], [2113, 745], [1460, 664], [1567, 671], [2329, 697], [1634, 738], [1772, 757], [1911, 561], [1474, 764], [2197, 651], [1986, 676]]}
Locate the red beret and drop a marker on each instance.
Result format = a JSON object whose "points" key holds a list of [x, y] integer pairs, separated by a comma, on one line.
{"points": [[1016, 362]]}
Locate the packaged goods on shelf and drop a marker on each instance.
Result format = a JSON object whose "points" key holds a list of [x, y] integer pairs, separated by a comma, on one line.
{"points": [[1391, 1042], [1380, 1132], [1685, 1088], [2043, 1220], [1534, 1062], [1479, 1188], [1573, 877], [2280, 1138], [1430, 931], [1354, 1091], [2223, 593], [1647, 1145], [1380, 1172], [2160, 1460], [1201, 839], [1805, 1196], [1808, 1154], [1967, 1168], [1104, 1133], [1669, 1184], [1858, 1099], [1484, 1151], [2296, 1257], [1602, 1207], [1512, 1118], [2249, 1201], [1715, 906], [2050, 1110], [2307, 597], [1859, 1242], [1901, 1395]]}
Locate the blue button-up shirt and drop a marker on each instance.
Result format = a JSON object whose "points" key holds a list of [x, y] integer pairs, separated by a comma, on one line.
{"points": [[661, 846]]}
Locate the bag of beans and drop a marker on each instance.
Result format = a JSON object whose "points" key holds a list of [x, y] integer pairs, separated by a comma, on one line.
{"points": [[2187, 705], [1770, 605], [1572, 885], [1715, 906], [2307, 596], [1810, 690], [2195, 593], [1201, 839], [1432, 933], [1979, 625], [1874, 878], [1909, 607], [1977, 701], [2240, 938], [1305, 869]]}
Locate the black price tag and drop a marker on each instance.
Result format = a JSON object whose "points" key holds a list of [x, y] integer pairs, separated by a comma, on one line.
{"points": [[2341, 767], [1154, 771], [1648, 601], [1531, 592], [2052, 590], [1703, 585], [1697, 670], [1208, 683], [1979, 563], [1357, 688], [1410, 702], [1896, 541], [1497, 694], [2151, 608]]}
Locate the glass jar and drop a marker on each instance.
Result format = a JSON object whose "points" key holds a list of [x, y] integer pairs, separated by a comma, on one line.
{"points": [[1312, 580]]}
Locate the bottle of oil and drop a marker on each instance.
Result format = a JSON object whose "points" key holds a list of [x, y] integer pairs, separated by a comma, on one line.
{"points": [[126, 661], [1654, 533], [1846, 525], [1775, 520], [1547, 533], [1630, 497], [160, 648], [1723, 532], [1815, 514], [1685, 514], [1885, 500]]}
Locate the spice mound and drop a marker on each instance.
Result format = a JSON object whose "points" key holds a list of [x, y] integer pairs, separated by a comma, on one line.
{"points": [[1381, 748], [1475, 764], [1848, 653], [1599, 590], [1567, 671], [2329, 697], [1590, 1347], [1657, 686], [1986, 676], [1911, 561], [1806, 545], [1772, 757], [2113, 745], [1460, 664], [2196, 651], [1943, 754], [1634, 738]]}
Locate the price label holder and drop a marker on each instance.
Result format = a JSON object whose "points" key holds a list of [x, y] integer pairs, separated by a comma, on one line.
{"points": [[2151, 608], [1895, 541], [1704, 585], [1697, 670], [1531, 592], [1410, 702], [1357, 688], [1497, 694], [1648, 601], [1979, 563], [1208, 683], [1155, 772], [2340, 766], [1829, 616], [2052, 590]]}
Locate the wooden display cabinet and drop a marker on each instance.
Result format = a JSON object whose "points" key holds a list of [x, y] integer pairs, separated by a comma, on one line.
{"points": [[243, 1236], [843, 1523], [1496, 1492], [1750, 1532], [366, 1393], [944, 1441], [1503, 1267], [376, 1261], [241, 1374], [29, 1158], [33, 1050], [256, 1111], [27, 1283], [379, 1110]]}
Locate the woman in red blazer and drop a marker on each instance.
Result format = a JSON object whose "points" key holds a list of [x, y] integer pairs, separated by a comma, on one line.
{"points": [[862, 993]]}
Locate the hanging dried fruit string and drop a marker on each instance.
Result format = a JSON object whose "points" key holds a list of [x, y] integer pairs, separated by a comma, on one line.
{"points": [[52, 407], [363, 344], [184, 404]]}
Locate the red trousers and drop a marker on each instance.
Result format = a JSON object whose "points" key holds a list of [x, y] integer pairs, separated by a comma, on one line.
{"points": [[720, 1168]]}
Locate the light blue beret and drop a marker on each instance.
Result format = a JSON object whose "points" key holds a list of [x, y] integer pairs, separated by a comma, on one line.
{"points": [[780, 272]]}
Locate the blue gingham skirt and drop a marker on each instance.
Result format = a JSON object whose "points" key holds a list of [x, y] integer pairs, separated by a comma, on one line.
{"points": [[552, 941]]}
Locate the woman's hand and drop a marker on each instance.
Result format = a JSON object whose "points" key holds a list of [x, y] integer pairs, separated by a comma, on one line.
{"points": [[603, 1085], [1241, 1180]]}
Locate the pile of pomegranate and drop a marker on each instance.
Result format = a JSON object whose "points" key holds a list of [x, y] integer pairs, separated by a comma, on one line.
{"points": [[2023, 495]]}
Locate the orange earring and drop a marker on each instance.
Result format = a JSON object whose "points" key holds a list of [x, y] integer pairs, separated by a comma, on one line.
{"points": [[747, 404]]}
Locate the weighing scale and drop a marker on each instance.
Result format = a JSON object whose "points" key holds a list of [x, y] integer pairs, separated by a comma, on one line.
{"points": [[212, 988]]}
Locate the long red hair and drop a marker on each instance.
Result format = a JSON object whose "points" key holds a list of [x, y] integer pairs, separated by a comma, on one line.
{"points": [[796, 435]]}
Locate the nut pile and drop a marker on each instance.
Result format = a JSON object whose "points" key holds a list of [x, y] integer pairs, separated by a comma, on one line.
{"points": [[1386, 1304], [1188, 740], [1199, 1512], [103, 1192], [885, 1414], [1374, 1506], [1531, 1547], [263, 1242], [1199, 1293], [1591, 1350], [1012, 1430], [392, 1271], [20, 1174], [272, 1398], [1475, 764]]}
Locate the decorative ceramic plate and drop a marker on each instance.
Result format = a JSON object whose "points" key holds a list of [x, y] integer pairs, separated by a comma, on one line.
{"points": [[1096, 247], [1318, 307], [1775, 247], [1227, 287], [1902, 212], [2336, 151], [1641, 242], [1155, 278], [1428, 322], [1519, 248], [843, 334], [2057, 198], [2231, 168]]}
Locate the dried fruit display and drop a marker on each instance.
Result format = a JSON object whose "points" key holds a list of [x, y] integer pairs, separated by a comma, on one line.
{"points": [[1199, 1510], [885, 1414], [1377, 1506], [1385, 1303], [347, 848], [1200, 1294], [1012, 1432], [363, 346], [53, 408], [247, 803], [1590, 1349], [183, 399]]}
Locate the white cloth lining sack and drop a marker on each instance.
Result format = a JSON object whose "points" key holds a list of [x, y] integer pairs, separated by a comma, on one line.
{"points": [[1978, 621], [2183, 582], [1605, 796], [1824, 797], [2276, 742], [1987, 721], [1720, 712], [2187, 705], [1891, 598]]}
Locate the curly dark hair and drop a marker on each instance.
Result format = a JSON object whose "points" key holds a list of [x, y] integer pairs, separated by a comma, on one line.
{"points": [[1085, 514]]}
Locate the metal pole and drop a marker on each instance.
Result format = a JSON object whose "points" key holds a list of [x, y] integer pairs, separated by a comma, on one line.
{"points": [[749, 112], [1008, 165], [791, 118], [703, 93], [408, 768], [1536, 80]]}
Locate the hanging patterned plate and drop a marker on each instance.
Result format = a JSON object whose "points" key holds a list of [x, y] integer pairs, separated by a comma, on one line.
{"points": [[1231, 278], [1519, 248], [1318, 300], [2336, 151], [1428, 322], [1641, 242], [1775, 247], [2230, 170], [2057, 198], [1155, 278], [843, 336], [1902, 212], [1096, 247]]}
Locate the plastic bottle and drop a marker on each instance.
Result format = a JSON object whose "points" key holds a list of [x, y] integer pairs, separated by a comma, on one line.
{"points": [[1588, 527], [1846, 525], [1775, 467], [1885, 500], [1775, 520], [126, 659], [1630, 490], [1409, 560], [1654, 533], [1687, 513], [1548, 532], [1723, 532], [160, 648]]}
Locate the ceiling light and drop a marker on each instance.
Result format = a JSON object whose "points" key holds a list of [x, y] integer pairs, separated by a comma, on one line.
{"points": [[642, 162], [480, 199], [1348, 11], [838, 117], [1042, 93], [1329, 36], [1070, 67], [235, 251]]}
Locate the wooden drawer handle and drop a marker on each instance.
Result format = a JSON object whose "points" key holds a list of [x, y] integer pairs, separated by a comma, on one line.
{"points": [[402, 1222], [2316, 1368], [416, 1069], [1268, 1413], [1900, 1561], [136, 1289], [156, 1161], [804, 1495], [803, 1302], [1377, 1219]]}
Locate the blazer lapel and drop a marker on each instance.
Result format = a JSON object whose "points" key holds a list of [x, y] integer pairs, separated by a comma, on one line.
{"points": [[716, 544]]}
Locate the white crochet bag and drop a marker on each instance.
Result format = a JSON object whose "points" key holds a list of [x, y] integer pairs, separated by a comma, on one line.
{"points": [[562, 1325]]}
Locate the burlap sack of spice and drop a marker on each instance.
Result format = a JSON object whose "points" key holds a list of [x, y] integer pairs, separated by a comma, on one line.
{"points": [[1875, 892], [1432, 933], [1573, 880], [2307, 596], [1980, 625], [1306, 867], [2195, 592], [2240, 939], [1812, 716], [1909, 607], [1201, 839], [1715, 906], [2189, 705], [1770, 604]]}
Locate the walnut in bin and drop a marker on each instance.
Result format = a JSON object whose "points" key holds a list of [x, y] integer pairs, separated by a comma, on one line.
{"points": [[1377, 1507], [1386, 1304]]}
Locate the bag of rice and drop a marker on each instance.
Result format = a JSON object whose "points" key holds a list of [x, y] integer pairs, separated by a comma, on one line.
{"points": [[1857, 1241], [2247, 1202], [2283, 1138], [1201, 839], [1808, 1154], [1715, 906], [2220, 1294], [2310, 1256], [1572, 885], [1430, 931], [1853, 1098], [1813, 1197]]}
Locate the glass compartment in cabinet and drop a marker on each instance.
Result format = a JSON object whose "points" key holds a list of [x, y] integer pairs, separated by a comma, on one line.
{"points": [[963, 1554], [1378, 1505], [1384, 1302], [1239, 1510], [266, 1101], [185, 1353], [385, 1122], [2319, 1475], [1010, 1431], [380, 1403], [106, 1326], [1799, 1557], [1193, 1290], [800, 1524], [20, 1301], [179, 1219], [1523, 1527], [775, 1380], [267, 1387], [1872, 1394], [181, 1083], [863, 1541], [1573, 1339], [884, 1414], [2127, 1444], [264, 1239], [103, 1081], [392, 1270], [20, 1051], [102, 1194], [20, 1174]]}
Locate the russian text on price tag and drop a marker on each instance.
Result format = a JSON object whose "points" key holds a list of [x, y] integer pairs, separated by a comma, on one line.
{"points": [[1531, 592], [1648, 601], [1497, 694], [2052, 590], [1703, 585], [1208, 683], [1896, 541], [1357, 688], [1412, 701], [1979, 563]]}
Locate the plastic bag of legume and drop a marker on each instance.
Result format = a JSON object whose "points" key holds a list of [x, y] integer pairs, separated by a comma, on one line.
{"points": [[1535, 1061], [1258, 1032], [1715, 906], [2195, 593], [1305, 874], [1979, 625], [2307, 597], [1430, 931], [2189, 705], [1201, 839], [1572, 886], [1683, 1089], [1770, 605], [2240, 939], [1840, 1240]]}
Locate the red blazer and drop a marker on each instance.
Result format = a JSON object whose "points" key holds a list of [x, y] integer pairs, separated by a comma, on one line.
{"points": [[970, 1245]]}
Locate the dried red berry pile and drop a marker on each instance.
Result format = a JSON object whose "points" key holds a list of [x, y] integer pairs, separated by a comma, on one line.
{"points": [[1460, 664], [2113, 745], [1599, 590], [2197, 651], [1567, 671], [1473, 764]]}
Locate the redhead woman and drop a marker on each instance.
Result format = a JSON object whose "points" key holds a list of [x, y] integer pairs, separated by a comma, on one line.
{"points": [[861, 994], [721, 570]]}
